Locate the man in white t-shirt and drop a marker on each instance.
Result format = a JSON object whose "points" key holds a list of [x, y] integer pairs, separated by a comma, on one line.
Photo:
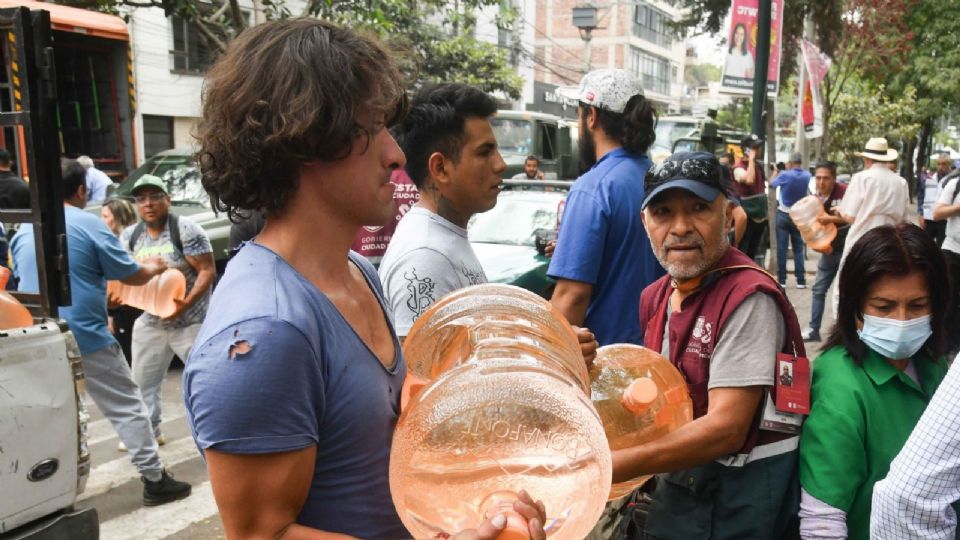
{"points": [[452, 158], [947, 208], [875, 196]]}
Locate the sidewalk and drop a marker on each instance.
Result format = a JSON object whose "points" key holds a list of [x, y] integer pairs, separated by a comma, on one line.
{"points": [[802, 298]]}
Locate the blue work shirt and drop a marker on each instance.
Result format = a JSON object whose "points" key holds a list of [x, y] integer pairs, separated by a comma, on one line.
{"points": [[794, 185], [602, 242], [95, 256], [278, 369]]}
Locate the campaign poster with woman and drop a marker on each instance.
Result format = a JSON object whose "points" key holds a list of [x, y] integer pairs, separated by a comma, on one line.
{"points": [[738, 69]]}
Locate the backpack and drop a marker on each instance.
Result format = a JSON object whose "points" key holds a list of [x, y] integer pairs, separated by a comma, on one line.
{"points": [[173, 223]]}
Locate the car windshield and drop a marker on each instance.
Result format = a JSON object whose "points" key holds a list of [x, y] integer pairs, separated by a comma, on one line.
{"points": [[513, 136], [515, 219], [670, 130], [180, 174]]}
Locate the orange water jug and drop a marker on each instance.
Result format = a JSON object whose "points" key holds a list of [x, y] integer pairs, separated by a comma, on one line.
{"points": [[816, 235], [640, 397], [155, 296], [497, 401], [12, 312]]}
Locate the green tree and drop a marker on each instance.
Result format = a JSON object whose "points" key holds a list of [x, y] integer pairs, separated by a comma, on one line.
{"points": [[858, 116], [440, 35]]}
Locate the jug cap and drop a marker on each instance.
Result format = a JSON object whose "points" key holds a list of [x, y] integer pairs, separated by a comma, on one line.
{"points": [[640, 395]]}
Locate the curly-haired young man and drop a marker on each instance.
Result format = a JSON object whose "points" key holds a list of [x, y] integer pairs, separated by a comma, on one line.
{"points": [[293, 388]]}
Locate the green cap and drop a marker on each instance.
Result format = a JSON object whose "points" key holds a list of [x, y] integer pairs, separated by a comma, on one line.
{"points": [[149, 180]]}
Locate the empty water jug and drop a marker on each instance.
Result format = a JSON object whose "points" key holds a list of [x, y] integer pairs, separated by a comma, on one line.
{"points": [[816, 235], [155, 296], [498, 402], [640, 397], [12, 312]]}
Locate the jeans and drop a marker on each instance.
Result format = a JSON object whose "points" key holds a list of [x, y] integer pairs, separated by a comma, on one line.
{"points": [[750, 242], [153, 350], [827, 270], [787, 230], [110, 384]]}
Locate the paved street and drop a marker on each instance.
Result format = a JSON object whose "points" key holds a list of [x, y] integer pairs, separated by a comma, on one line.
{"points": [[114, 486]]}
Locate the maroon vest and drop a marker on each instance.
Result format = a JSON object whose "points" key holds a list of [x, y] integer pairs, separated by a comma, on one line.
{"points": [[695, 329]]}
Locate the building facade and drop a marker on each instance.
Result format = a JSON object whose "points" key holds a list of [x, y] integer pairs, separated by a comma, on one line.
{"points": [[632, 35]]}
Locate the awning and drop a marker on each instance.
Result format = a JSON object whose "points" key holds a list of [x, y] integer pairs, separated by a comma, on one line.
{"points": [[80, 21]]}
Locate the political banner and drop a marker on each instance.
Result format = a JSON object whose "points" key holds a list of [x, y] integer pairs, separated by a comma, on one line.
{"points": [[738, 69], [816, 64]]}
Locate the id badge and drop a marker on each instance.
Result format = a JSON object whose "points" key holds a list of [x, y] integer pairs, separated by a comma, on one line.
{"points": [[793, 384], [793, 396]]}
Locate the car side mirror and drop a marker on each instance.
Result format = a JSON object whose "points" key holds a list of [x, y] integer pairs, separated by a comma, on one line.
{"points": [[542, 237]]}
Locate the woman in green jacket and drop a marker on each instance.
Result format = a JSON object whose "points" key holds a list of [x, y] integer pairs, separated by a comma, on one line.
{"points": [[880, 366]]}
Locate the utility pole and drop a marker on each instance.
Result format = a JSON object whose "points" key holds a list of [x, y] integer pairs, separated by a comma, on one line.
{"points": [[760, 69]]}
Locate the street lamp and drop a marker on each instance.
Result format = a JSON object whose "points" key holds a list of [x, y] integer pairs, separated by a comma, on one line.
{"points": [[585, 19]]}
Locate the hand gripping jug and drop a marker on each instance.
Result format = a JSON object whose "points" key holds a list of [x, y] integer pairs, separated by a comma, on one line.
{"points": [[640, 397], [497, 401], [12, 312], [804, 214], [155, 296]]}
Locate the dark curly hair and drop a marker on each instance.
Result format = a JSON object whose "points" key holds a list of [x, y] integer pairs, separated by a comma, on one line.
{"points": [[635, 128], [285, 93], [436, 123], [889, 251]]}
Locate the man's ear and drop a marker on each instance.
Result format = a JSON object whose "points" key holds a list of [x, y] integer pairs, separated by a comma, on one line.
{"points": [[438, 168], [729, 221], [591, 118]]}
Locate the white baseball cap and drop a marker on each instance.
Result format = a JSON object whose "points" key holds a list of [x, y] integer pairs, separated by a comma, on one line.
{"points": [[608, 89]]}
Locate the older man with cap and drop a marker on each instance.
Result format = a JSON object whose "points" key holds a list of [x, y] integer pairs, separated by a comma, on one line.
{"points": [[721, 320], [183, 245], [794, 184], [602, 258]]}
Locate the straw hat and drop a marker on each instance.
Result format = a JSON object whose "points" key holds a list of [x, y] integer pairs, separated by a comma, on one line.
{"points": [[877, 150]]}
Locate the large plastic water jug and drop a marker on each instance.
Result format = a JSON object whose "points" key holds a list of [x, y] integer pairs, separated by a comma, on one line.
{"points": [[640, 397], [12, 312], [155, 296], [498, 402], [816, 235]]}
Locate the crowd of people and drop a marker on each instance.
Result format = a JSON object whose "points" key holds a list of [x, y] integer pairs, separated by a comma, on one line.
{"points": [[660, 255]]}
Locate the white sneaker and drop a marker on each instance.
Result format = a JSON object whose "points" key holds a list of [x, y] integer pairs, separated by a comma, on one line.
{"points": [[161, 440]]}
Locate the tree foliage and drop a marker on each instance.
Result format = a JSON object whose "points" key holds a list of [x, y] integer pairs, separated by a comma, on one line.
{"points": [[858, 116], [439, 36]]}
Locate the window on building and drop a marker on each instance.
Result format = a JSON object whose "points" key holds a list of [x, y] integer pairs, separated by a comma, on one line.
{"points": [[651, 24], [653, 70], [190, 50], [157, 134]]}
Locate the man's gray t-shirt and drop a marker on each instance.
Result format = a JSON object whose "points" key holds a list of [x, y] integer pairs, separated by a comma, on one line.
{"points": [[428, 258], [195, 243], [743, 355]]}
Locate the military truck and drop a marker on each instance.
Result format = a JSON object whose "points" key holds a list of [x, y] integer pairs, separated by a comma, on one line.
{"points": [[550, 138], [44, 459]]}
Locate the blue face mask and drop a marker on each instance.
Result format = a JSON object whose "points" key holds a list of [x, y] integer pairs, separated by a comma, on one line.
{"points": [[895, 339]]}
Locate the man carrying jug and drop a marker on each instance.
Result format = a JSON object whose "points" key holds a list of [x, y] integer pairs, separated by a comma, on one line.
{"points": [[293, 388], [183, 245], [725, 476], [95, 255]]}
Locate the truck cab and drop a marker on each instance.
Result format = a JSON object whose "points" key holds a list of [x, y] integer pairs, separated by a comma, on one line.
{"points": [[44, 459], [552, 139]]}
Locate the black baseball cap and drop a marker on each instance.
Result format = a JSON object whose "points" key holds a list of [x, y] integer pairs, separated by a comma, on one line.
{"points": [[751, 141], [699, 173]]}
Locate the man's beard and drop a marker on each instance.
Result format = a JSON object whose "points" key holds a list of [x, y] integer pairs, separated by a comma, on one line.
{"points": [[588, 151], [687, 271]]}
